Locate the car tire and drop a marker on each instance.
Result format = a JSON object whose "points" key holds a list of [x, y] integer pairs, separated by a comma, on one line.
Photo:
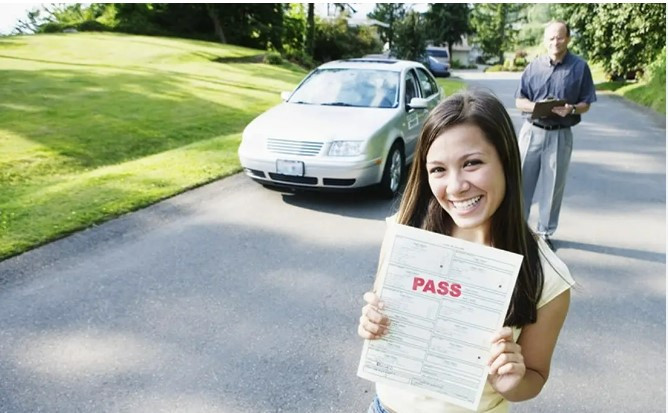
{"points": [[394, 172]]}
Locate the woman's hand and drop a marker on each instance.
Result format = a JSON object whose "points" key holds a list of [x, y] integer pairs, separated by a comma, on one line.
{"points": [[506, 362], [373, 323]]}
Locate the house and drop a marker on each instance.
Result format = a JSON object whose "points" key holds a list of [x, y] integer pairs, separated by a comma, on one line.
{"points": [[465, 53]]}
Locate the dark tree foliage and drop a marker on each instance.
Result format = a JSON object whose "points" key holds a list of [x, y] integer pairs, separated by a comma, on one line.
{"points": [[335, 40], [257, 25], [411, 39], [391, 14], [623, 37], [310, 30], [447, 23], [495, 27]]}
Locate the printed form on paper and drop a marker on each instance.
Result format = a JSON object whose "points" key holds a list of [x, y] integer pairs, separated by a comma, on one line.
{"points": [[445, 298]]}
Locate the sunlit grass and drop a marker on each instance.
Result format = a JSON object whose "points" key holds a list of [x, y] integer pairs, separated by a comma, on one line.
{"points": [[651, 94], [451, 86], [95, 125]]}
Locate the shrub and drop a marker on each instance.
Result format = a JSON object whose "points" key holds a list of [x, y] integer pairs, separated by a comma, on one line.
{"points": [[335, 40], [495, 68], [92, 26], [299, 57], [520, 59], [656, 71], [273, 58], [456, 64], [507, 66], [53, 27]]}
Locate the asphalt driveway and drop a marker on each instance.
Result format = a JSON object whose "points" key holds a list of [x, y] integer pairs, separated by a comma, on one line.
{"points": [[234, 298]]}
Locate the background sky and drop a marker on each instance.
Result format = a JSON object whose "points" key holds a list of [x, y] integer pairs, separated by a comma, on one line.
{"points": [[10, 13]]}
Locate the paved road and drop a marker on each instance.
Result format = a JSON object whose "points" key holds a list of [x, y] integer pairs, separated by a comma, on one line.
{"points": [[237, 299]]}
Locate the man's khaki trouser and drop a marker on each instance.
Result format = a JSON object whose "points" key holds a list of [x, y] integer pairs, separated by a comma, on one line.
{"points": [[546, 155]]}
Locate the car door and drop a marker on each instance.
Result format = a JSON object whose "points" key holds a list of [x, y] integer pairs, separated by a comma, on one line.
{"points": [[414, 118], [428, 88]]}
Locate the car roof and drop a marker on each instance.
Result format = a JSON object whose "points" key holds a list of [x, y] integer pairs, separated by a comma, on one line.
{"points": [[394, 65]]}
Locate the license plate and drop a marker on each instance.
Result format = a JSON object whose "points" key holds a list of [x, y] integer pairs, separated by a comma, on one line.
{"points": [[286, 167]]}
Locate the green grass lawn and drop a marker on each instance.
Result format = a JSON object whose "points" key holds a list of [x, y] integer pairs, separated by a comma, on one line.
{"points": [[649, 94], [450, 85], [96, 125]]}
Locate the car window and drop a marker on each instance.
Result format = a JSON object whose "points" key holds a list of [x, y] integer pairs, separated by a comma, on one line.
{"points": [[429, 87], [349, 87], [411, 87], [437, 53]]}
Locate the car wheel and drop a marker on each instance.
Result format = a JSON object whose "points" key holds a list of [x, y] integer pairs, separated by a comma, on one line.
{"points": [[393, 174]]}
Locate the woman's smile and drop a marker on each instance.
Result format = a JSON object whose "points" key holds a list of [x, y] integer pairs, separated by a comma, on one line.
{"points": [[466, 205]]}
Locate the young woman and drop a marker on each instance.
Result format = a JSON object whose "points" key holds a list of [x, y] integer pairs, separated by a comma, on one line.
{"points": [[466, 182]]}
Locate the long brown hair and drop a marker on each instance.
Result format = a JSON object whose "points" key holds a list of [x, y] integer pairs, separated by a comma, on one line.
{"points": [[509, 229]]}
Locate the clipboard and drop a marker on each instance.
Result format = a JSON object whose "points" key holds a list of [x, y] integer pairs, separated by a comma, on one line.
{"points": [[543, 109]]}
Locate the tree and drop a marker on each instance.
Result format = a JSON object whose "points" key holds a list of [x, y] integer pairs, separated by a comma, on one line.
{"points": [[536, 17], [391, 14], [447, 23], [31, 23], [494, 27], [310, 29], [411, 37], [334, 39], [215, 19], [623, 37]]}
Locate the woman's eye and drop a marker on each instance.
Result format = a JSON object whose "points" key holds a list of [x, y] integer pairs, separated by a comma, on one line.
{"points": [[472, 162], [436, 169]]}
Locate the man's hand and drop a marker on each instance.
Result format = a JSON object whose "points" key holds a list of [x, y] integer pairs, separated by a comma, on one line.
{"points": [[563, 111]]}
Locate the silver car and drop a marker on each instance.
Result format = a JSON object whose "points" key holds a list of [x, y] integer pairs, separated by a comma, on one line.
{"points": [[349, 124]]}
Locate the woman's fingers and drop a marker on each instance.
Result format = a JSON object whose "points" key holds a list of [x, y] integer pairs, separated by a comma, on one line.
{"points": [[505, 334], [505, 355], [372, 324], [371, 298], [375, 316], [507, 362]]}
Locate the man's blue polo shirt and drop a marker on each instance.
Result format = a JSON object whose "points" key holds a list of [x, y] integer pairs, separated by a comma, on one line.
{"points": [[569, 80]]}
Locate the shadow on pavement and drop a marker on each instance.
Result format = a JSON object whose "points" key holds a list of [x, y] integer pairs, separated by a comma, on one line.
{"points": [[602, 249]]}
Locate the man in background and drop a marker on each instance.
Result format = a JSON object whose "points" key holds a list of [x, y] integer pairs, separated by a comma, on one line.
{"points": [[546, 143]]}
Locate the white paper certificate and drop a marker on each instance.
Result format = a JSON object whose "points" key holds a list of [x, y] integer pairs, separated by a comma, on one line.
{"points": [[445, 299]]}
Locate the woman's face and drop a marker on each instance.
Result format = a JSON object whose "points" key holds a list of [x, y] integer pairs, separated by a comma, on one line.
{"points": [[467, 179]]}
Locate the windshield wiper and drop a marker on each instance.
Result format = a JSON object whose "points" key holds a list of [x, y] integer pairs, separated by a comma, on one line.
{"points": [[337, 104]]}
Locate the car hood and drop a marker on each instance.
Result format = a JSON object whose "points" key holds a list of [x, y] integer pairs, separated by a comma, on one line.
{"points": [[325, 123]]}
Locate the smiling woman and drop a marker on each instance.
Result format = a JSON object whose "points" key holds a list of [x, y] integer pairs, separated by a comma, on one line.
{"points": [[465, 182]]}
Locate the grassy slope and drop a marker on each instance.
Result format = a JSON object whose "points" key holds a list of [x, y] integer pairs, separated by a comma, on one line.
{"points": [[650, 94], [95, 125]]}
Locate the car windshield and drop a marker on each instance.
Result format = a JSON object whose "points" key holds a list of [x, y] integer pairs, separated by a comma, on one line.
{"points": [[437, 53], [349, 87]]}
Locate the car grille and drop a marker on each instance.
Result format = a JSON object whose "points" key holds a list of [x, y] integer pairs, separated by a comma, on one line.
{"points": [[288, 147]]}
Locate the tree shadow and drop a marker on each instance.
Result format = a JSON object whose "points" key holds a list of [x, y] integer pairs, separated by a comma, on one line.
{"points": [[607, 250]]}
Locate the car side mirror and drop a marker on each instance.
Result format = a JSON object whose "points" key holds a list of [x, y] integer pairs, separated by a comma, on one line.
{"points": [[285, 95], [418, 103]]}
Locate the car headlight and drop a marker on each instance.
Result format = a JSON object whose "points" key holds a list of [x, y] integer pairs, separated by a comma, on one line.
{"points": [[346, 148]]}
